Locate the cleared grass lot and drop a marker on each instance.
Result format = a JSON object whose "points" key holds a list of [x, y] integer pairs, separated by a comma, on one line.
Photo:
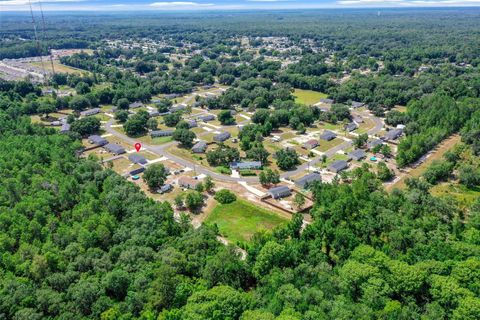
{"points": [[239, 220], [308, 97]]}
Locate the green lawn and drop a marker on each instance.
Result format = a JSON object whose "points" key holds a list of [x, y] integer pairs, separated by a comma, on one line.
{"points": [[238, 221], [462, 194], [308, 97]]}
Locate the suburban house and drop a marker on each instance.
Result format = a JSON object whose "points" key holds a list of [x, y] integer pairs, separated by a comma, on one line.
{"points": [[178, 107], [161, 133], [310, 144], [327, 101], [114, 148], [356, 104], [165, 188], [97, 140], [206, 118], [279, 192], [373, 143], [172, 95], [188, 182], [246, 165], [221, 137], [328, 135], [137, 158], [65, 128], [135, 105], [357, 154], [349, 127], [199, 147], [153, 113], [338, 166], [192, 124], [393, 134], [308, 179], [90, 112]]}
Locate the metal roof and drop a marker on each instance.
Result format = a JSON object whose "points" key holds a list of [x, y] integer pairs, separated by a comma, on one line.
{"points": [[137, 158], [307, 179]]}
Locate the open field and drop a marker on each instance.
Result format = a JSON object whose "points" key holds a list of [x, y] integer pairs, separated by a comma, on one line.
{"points": [[308, 97], [239, 220], [437, 154], [61, 68], [460, 193]]}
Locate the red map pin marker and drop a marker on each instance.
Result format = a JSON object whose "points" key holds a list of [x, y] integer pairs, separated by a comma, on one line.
{"points": [[138, 146]]}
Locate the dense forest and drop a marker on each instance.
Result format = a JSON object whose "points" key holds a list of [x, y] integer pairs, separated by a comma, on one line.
{"points": [[78, 241]]}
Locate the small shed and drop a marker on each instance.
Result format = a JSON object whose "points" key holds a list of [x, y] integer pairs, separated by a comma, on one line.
{"points": [[165, 188]]}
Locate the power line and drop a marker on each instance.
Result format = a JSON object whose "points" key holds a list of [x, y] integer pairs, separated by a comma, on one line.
{"points": [[45, 37], [39, 48]]}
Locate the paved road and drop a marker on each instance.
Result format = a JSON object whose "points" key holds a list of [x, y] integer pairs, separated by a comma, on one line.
{"points": [[161, 150]]}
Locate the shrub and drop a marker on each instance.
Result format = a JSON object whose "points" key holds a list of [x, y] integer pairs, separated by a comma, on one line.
{"points": [[225, 196]]}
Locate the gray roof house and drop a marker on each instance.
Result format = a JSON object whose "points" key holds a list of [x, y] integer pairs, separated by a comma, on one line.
{"points": [[338, 166], [199, 147], [135, 105], [161, 133], [308, 179], [137, 158], [357, 154], [137, 171], [178, 107], [279, 192], [351, 126], [90, 112], [172, 95], [373, 143], [310, 144], [192, 123], [222, 136], [65, 128], [246, 165], [393, 134], [327, 101], [97, 140], [328, 135], [208, 117], [357, 104], [114, 148], [165, 188], [154, 113]]}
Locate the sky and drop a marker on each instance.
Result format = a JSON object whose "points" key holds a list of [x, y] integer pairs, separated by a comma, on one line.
{"points": [[198, 5]]}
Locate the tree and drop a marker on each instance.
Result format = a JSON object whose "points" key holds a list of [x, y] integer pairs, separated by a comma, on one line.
{"points": [[225, 196], [193, 200], [152, 124], [225, 117], [123, 104], [299, 200], [135, 125], [383, 172], [469, 176], [360, 140], [172, 119], [46, 108], [438, 171], [258, 153], [208, 183], [185, 137], [86, 126], [121, 116], [79, 103], [155, 176], [82, 88], [287, 159], [116, 284], [179, 201], [222, 156]]}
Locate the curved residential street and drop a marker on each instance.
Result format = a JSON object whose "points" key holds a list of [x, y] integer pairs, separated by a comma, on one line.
{"points": [[161, 150]]}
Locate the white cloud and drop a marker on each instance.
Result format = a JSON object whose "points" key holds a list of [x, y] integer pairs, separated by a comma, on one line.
{"points": [[407, 3], [179, 4], [26, 2], [267, 0]]}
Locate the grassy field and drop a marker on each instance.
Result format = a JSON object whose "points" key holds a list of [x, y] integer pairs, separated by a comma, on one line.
{"points": [[58, 67], [462, 194], [308, 97], [446, 145], [239, 220]]}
